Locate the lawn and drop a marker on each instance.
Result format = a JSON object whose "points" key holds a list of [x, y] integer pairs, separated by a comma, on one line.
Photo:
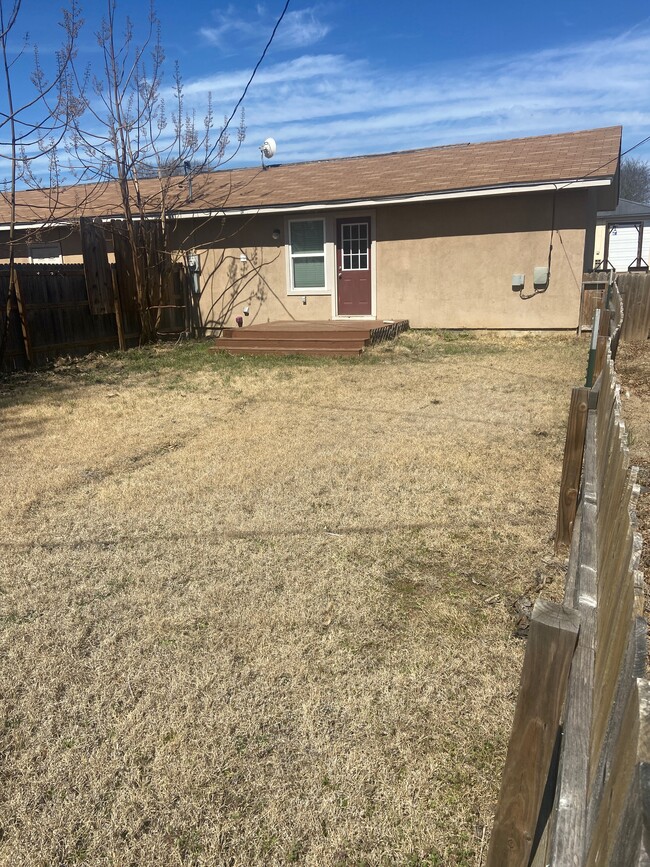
{"points": [[263, 612]]}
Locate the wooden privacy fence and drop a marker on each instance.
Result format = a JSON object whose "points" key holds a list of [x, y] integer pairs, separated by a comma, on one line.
{"points": [[635, 292], [57, 313], [51, 316], [634, 288], [576, 785], [594, 288]]}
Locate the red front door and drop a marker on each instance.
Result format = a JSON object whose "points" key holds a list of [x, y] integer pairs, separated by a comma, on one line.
{"points": [[354, 294]]}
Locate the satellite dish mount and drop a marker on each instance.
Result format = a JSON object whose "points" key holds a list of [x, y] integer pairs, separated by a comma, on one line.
{"points": [[268, 150]]}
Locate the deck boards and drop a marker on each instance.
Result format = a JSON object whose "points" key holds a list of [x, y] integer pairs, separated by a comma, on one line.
{"points": [[326, 337]]}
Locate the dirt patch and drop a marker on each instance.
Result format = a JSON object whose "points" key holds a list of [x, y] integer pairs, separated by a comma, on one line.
{"points": [[260, 613]]}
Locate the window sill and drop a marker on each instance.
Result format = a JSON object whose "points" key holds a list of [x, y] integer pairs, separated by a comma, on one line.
{"points": [[302, 292]]}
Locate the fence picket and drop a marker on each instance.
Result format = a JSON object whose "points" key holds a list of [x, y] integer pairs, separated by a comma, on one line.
{"points": [[635, 289]]}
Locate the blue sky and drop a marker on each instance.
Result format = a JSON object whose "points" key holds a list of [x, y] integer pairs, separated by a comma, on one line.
{"points": [[365, 77]]}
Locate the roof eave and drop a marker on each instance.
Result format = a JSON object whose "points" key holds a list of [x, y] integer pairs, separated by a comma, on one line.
{"points": [[298, 207], [474, 192]]}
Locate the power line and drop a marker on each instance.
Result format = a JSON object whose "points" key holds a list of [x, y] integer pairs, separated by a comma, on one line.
{"points": [[613, 160], [553, 228], [252, 76]]}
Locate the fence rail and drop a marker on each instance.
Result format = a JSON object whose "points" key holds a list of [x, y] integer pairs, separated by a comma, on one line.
{"points": [[598, 782]]}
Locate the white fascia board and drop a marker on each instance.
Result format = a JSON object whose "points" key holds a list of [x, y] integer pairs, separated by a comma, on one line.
{"points": [[32, 225], [478, 192], [396, 200]]}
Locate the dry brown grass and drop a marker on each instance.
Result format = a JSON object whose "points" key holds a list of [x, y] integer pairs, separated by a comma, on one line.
{"points": [[260, 614]]}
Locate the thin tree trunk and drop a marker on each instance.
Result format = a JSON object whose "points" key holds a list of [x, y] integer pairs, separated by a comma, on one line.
{"points": [[11, 289]]}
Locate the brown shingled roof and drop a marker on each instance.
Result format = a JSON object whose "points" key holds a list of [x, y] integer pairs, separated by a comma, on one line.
{"points": [[591, 154]]}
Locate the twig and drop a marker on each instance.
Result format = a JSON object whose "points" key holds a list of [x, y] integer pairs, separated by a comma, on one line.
{"points": [[480, 854]]}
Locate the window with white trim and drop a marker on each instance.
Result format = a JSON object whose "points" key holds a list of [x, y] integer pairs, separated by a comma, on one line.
{"points": [[307, 241]]}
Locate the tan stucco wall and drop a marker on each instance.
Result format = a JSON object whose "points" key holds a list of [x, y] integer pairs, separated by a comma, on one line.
{"points": [[450, 264], [446, 264], [228, 284], [440, 265]]}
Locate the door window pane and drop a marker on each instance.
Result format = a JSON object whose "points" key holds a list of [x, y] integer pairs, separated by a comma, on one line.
{"points": [[354, 244]]}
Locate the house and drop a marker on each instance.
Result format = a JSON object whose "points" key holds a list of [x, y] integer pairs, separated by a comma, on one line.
{"points": [[623, 237], [488, 235]]}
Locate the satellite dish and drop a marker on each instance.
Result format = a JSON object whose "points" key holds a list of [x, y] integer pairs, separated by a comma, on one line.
{"points": [[269, 148]]}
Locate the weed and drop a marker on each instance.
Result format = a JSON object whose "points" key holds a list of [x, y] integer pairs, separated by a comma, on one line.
{"points": [[296, 852]]}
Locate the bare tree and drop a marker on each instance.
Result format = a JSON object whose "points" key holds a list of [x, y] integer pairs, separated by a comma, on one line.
{"points": [[635, 180], [118, 129], [152, 149], [32, 129], [124, 136]]}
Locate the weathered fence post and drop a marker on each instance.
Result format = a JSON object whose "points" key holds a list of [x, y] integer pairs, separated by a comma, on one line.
{"points": [[117, 306], [593, 349], [601, 343], [572, 466], [22, 313], [551, 643], [568, 825]]}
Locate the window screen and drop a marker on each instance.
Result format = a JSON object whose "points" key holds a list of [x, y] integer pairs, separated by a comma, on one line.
{"points": [[308, 254]]}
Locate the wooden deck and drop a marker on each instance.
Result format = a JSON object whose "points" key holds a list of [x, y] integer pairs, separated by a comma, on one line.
{"points": [[339, 338]]}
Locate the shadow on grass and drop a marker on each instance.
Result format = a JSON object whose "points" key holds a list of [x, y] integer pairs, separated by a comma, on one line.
{"points": [[217, 535], [168, 365]]}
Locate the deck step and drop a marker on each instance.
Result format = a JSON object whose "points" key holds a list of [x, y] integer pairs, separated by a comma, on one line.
{"points": [[318, 337], [293, 334], [264, 349], [288, 343]]}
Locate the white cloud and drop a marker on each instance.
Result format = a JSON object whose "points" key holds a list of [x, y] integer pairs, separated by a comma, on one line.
{"points": [[320, 105], [298, 71], [301, 28], [298, 29]]}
